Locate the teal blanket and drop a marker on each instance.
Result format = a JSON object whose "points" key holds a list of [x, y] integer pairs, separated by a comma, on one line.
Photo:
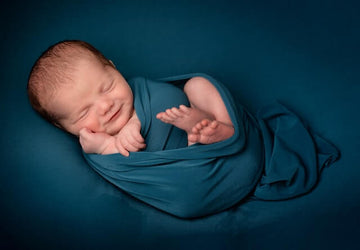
{"points": [[272, 157]]}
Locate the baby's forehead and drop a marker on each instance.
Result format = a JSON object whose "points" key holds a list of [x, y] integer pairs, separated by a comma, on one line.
{"points": [[83, 69], [71, 67]]}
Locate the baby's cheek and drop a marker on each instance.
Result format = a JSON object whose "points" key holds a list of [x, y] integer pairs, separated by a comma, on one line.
{"points": [[93, 125]]}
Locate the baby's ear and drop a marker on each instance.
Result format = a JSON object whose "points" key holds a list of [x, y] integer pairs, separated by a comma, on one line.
{"points": [[112, 63], [58, 125]]}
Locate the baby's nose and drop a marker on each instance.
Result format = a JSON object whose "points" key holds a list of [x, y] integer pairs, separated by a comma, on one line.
{"points": [[104, 106]]}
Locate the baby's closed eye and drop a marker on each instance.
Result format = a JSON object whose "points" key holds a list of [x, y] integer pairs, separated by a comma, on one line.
{"points": [[82, 114], [107, 87]]}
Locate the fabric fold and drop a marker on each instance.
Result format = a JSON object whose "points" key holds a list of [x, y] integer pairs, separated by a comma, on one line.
{"points": [[294, 156]]}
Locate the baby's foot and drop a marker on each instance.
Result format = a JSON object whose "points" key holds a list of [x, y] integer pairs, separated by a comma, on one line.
{"points": [[208, 132], [183, 117]]}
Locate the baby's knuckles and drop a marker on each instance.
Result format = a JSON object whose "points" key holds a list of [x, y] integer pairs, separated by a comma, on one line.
{"points": [[93, 142], [128, 137]]}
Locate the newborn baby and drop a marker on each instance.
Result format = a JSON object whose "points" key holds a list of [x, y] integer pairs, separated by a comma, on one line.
{"points": [[77, 89]]}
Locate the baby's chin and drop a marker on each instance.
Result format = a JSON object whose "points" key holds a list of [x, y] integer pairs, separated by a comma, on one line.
{"points": [[115, 126], [113, 131]]}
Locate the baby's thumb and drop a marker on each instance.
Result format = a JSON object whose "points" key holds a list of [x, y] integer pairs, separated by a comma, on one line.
{"points": [[84, 131]]}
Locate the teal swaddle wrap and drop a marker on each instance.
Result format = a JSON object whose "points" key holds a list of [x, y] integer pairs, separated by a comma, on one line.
{"points": [[273, 157]]}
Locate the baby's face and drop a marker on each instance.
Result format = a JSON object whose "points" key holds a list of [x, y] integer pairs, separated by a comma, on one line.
{"points": [[98, 98]]}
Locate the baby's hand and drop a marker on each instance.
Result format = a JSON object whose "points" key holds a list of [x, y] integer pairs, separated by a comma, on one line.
{"points": [[99, 143], [129, 138]]}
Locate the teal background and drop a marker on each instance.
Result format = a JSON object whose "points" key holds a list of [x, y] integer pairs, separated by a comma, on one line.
{"points": [[302, 53]]}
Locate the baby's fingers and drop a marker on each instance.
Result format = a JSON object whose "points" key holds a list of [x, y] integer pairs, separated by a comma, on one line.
{"points": [[84, 133], [133, 145], [128, 144], [124, 146], [86, 141], [136, 136], [136, 140], [84, 137], [121, 148]]}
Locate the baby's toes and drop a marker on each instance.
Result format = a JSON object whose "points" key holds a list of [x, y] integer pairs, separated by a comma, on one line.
{"points": [[199, 126], [164, 117], [184, 109], [177, 112], [196, 130], [193, 138], [205, 123], [213, 124], [170, 114], [160, 115]]}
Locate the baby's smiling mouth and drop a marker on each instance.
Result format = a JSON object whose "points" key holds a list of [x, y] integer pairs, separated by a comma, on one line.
{"points": [[115, 115]]}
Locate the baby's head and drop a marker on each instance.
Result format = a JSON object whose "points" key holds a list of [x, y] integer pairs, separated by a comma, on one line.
{"points": [[74, 86]]}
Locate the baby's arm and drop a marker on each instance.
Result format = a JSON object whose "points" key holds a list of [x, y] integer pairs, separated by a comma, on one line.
{"points": [[127, 140]]}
